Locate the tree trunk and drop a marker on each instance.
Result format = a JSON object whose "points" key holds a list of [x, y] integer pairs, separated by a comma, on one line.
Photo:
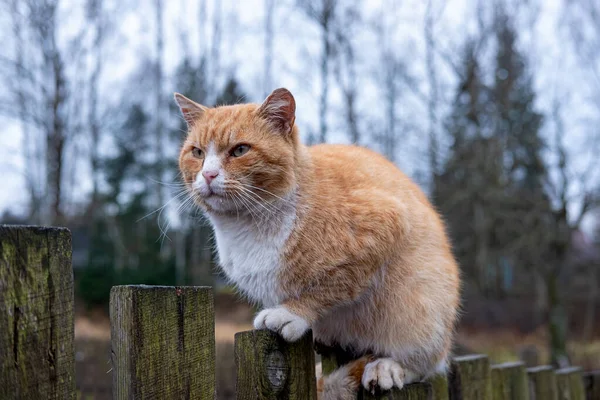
{"points": [[391, 94], [201, 257], [96, 18], [214, 60], [326, 54], [29, 143], [432, 100], [557, 322], [158, 101], [557, 317], [268, 62], [55, 142], [590, 312], [350, 92], [481, 246], [180, 250]]}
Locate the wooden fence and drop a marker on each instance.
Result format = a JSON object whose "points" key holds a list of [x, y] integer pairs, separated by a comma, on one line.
{"points": [[163, 344]]}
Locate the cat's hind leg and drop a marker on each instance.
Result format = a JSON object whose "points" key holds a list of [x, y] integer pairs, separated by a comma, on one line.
{"points": [[378, 374], [385, 373]]}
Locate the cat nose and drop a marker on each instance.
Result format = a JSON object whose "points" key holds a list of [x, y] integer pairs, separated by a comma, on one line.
{"points": [[209, 175]]}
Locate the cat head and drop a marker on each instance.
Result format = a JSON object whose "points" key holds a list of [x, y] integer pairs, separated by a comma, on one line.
{"points": [[237, 156]]}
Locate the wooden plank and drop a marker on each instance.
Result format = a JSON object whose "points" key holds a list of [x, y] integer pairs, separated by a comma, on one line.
{"points": [[163, 342], [439, 385], [542, 383], [509, 381], [569, 383], [592, 385], [470, 378], [270, 368], [414, 391], [36, 314]]}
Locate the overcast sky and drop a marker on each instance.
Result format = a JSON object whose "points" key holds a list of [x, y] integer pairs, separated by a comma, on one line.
{"points": [[557, 70]]}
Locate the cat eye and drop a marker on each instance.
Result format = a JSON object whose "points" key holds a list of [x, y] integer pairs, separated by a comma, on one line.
{"points": [[196, 152], [240, 150]]}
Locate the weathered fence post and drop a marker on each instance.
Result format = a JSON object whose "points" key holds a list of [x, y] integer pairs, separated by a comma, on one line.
{"points": [[542, 383], [270, 368], [36, 314], [569, 383], [592, 385], [509, 381], [439, 385], [470, 378], [163, 342]]}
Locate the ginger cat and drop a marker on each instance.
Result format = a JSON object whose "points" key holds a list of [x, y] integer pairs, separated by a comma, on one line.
{"points": [[331, 238]]}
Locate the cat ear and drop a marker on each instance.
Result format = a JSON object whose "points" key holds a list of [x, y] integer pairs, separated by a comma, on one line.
{"points": [[280, 110], [190, 110]]}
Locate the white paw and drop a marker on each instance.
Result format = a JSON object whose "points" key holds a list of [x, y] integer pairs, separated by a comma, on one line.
{"points": [[282, 321], [383, 373]]}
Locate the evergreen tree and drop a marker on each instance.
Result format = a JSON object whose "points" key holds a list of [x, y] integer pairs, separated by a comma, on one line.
{"points": [[191, 81], [124, 246], [491, 188], [470, 186], [517, 122], [231, 94]]}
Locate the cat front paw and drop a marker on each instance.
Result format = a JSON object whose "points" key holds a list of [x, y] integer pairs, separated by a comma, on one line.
{"points": [[279, 319]]}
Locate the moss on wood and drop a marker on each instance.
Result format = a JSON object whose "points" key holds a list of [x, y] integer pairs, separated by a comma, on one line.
{"points": [[36, 313], [163, 342], [270, 368]]}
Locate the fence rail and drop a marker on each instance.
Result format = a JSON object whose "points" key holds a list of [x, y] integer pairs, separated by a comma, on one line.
{"points": [[163, 344]]}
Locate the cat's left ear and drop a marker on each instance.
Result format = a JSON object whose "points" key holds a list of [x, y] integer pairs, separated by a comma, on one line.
{"points": [[190, 110], [280, 110]]}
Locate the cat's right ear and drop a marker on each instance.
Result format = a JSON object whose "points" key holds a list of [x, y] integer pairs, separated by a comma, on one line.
{"points": [[190, 110], [280, 110]]}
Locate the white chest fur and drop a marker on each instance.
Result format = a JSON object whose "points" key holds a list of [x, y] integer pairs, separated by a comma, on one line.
{"points": [[250, 253]]}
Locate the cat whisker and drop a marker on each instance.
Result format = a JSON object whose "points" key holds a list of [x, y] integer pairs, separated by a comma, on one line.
{"points": [[259, 201], [250, 207], [254, 205], [160, 209], [265, 191], [165, 229]]}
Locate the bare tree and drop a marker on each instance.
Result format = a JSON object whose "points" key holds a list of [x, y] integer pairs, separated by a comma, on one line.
{"points": [[202, 37], [42, 97], [565, 223], [95, 17], [44, 79], [430, 63], [346, 66], [215, 50], [574, 173], [158, 100], [323, 13], [32, 176], [391, 68], [268, 43], [390, 74], [582, 18]]}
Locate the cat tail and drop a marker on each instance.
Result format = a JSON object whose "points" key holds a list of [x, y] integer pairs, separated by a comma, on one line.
{"points": [[343, 383]]}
